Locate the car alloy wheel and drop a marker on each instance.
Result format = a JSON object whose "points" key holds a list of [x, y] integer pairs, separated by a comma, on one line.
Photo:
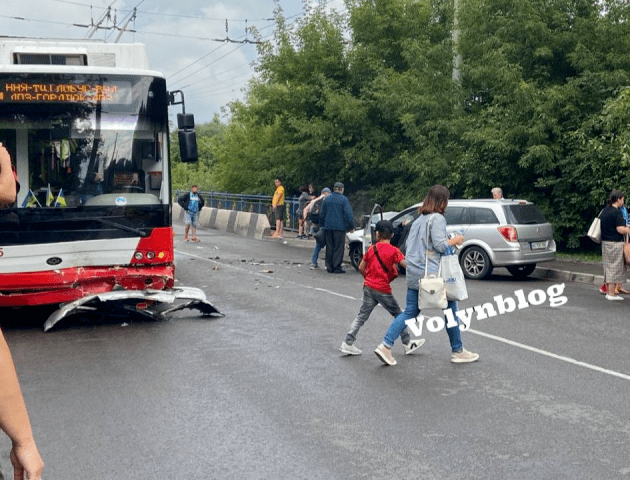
{"points": [[356, 255], [475, 263]]}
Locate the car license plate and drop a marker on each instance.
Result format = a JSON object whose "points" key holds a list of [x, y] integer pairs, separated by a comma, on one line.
{"points": [[539, 245]]}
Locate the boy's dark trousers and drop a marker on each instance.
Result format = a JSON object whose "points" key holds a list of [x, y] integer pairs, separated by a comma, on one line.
{"points": [[371, 298]]}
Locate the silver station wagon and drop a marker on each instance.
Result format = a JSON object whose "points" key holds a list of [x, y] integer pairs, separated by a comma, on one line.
{"points": [[497, 233]]}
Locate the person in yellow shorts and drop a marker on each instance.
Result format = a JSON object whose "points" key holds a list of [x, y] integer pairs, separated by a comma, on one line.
{"points": [[278, 207]]}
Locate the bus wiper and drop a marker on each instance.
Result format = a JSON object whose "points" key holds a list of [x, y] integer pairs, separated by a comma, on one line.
{"points": [[142, 233], [137, 231]]}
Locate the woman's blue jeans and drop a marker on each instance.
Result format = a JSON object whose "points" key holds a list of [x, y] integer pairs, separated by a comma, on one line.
{"points": [[412, 311]]}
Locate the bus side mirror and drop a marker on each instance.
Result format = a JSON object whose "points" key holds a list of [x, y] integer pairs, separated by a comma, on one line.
{"points": [[187, 137]]}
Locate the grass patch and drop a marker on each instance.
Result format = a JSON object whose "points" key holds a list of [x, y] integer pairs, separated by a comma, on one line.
{"points": [[587, 256]]}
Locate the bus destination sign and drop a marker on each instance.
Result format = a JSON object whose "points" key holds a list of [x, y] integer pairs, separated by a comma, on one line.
{"points": [[29, 92]]}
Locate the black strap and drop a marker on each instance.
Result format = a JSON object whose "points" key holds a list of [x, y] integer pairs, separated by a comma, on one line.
{"points": [[379, 259]]}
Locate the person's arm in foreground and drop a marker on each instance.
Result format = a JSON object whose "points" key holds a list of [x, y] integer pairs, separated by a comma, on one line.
{"points": [[27, 463], [7, 181]]}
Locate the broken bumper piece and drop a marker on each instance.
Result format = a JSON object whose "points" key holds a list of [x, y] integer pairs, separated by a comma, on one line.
{"points": [[155, 304]]}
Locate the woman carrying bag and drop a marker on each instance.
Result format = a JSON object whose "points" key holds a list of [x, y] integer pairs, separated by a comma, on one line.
{"points": [[423, 252], [613, 230]]}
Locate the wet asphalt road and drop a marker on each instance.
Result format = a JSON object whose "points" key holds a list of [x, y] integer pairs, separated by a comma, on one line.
{"points": [[264, 393]]}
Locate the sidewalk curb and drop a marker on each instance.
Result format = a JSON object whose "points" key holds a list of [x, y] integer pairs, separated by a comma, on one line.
{"points": [[562, 275], [540, 272]]}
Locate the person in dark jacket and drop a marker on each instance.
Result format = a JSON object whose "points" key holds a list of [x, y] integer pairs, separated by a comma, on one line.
{"points": [[336, 218], [192, 203]]}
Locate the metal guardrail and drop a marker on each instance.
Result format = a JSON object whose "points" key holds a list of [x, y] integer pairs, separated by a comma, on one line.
{"points": [[250, 203]]}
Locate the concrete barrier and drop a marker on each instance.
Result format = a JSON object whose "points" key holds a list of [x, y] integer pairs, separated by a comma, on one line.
{"points": [[245, 224]]}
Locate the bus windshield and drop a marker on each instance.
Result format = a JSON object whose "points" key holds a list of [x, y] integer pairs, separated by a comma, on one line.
{"points": [[86, 140]]}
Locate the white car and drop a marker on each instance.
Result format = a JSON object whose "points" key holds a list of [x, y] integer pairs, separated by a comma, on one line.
{"points": [[357, 240], [497, 233]]}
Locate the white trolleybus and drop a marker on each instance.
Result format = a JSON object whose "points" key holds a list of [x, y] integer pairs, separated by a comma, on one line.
{"points": [[86, 124]]}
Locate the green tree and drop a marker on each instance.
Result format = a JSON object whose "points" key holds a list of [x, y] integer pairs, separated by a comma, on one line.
{"points": [[536, 73], [539, 108], [209, 136]]}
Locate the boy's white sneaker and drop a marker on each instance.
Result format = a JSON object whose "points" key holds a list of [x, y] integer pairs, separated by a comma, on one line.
{"points": [[413, 345], [349, 349]]}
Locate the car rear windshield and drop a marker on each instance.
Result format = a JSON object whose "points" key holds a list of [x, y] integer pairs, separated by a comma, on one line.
{"points": [[523, 214]]}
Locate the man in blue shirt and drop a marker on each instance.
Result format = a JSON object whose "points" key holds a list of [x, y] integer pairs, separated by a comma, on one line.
{"points": [[192, 203], [336, 218]]}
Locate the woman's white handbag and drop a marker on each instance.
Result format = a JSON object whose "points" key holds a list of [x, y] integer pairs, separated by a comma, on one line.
{"points": [[432, 291]]}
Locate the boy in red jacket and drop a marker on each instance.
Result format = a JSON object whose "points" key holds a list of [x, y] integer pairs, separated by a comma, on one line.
{"points": [[378, 267]]}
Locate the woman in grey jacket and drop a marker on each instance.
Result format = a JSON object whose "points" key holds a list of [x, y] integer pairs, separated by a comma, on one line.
{"points": [[423, 252]]}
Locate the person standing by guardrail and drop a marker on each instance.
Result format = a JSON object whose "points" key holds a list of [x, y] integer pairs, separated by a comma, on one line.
{"points": [[278, 207], [303, 200], [192, 203]]}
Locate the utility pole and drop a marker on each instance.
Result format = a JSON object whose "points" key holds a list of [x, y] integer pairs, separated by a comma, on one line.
{"points": [[457, 57]]}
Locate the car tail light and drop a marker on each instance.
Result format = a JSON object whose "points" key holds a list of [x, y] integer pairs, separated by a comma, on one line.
{"points": [[509, 233]]}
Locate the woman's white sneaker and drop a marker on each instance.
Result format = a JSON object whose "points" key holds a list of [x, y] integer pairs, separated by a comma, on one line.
{"points": [[464, 356], [385, 354]]}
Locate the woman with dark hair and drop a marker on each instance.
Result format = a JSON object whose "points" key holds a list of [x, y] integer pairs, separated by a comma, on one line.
{"points": [[425, 243], [613, 229]]}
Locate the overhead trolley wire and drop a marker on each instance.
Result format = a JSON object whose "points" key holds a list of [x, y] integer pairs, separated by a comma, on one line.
{"points": [[161, 14], [206, 78]]}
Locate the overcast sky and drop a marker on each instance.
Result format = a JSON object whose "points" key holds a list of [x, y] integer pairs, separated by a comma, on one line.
{"points": [[177, 34]]}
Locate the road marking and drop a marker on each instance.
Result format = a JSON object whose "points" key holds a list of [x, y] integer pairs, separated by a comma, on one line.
{"points": [[269, 277], [330, 291], [475, 332], [552, 355]]}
